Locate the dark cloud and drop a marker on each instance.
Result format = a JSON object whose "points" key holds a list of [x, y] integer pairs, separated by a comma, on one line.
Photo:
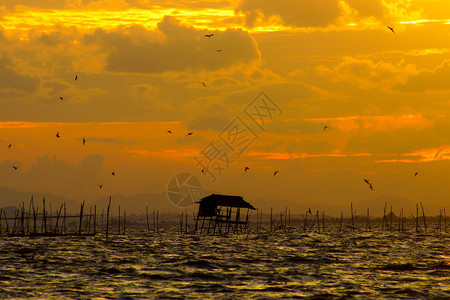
{"points": [[13, 82], [173, 47]]}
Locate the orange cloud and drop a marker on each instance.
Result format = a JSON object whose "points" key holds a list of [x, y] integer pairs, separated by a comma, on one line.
{"points": [[375, 123], [431, 154], [283, 155]]}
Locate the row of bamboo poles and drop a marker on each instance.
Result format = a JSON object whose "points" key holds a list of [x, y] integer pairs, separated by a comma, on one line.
{"points": [[316, 221], [36, 221]]}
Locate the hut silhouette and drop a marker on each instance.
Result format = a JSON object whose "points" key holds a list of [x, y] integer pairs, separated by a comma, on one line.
{"points": [[222, 214]]}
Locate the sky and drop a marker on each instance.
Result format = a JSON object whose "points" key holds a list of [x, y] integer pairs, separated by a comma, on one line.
{"points": [[321, 91]]}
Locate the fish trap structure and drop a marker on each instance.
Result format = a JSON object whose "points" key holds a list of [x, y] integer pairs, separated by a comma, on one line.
{"points": [[222, 214]]}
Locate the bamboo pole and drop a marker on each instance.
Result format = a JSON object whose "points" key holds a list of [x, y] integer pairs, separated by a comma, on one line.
{"points": [[445, 221], [119, 219], [390, 218], [89, 221], [44, 220], [81, 218], [186, 221], [64, 222], [157, 221], [353, 221], [29, 215], [107, 217], [323, 221], [57, 219], [181, 223], [6, 222], [95, 219], [417, 217], [271, 219], [124, 221], [340, 223], [148, 225], [424, 218], [154, 223]]}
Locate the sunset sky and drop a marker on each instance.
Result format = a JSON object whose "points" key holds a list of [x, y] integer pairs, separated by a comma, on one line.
{"points": [[140, 65]]}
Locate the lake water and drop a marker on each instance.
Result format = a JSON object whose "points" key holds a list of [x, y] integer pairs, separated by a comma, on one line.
{"points": [[260, 266]]}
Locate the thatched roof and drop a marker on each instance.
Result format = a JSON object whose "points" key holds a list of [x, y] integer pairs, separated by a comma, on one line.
{"points": [[225, 200]]}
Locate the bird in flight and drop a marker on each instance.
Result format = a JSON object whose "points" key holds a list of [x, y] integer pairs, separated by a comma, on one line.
{"points": [[209, 35], [100, 185], [246, 169], [190, 133], [57, 134], [415, 174], [369, 183], [61, 98], [76, 76], [219, 50], [14, 167], [84, 141], [9, 146], [392, 29], [169, 131], [326, 127], [437, 154], [203, 171], [203, 84], [113, 173], [275, 173]]}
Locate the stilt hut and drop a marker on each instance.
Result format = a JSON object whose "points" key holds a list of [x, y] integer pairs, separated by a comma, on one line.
{"points": [[222, 214]]}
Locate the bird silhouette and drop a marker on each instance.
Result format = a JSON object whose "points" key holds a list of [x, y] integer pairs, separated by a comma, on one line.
{"points": [[415, 174], [9, 146], [275, 173], [209, 35], [169, 131], [246, 169], [203, 171], [61, 98], [76, 77], [113, 173], [392, 29], [57, 134], [219, 50], [190, 133], [326, 127], [369, 183], [203, 84], [100, 185], [437, 154], [14, 167], [84, 141]]}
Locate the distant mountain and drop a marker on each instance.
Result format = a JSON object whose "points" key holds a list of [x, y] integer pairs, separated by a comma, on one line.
{"points": [[279, 205], [10, 197], [137, 204]]}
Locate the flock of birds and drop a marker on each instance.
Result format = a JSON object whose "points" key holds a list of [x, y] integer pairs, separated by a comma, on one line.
{"points": [[100, 186]]}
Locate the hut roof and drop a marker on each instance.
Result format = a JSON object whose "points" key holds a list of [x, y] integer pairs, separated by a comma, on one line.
{"points": [[225, 200]]}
